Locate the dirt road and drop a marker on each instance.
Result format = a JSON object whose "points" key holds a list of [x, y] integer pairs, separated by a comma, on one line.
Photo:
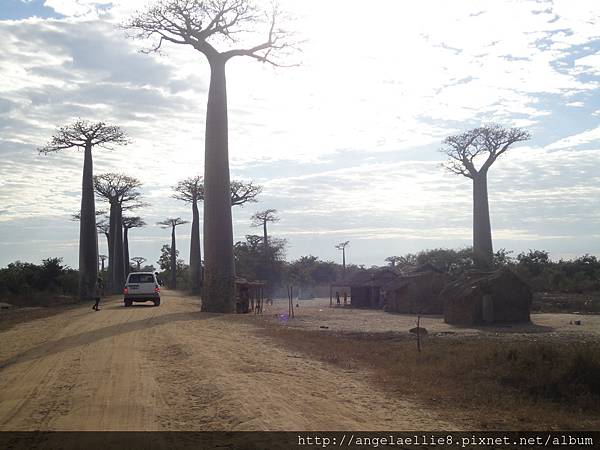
{"points": [[174, 368]]}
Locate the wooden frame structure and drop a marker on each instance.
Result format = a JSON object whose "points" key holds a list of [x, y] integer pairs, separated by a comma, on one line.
{"points": [[249, 296]]}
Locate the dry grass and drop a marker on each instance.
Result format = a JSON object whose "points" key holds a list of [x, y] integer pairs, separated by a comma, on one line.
{"points": [[486, 383]]}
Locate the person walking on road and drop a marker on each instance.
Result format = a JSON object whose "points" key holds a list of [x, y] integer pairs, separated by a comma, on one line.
{"points": [[98, 291]]}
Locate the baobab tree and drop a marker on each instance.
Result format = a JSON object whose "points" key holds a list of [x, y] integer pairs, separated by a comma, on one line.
{"points": [[260, 219], [342, 246], [202, 25], [102, 258], [101, 224], [129, 222], [139, 260], [393, 260], [85, 135], [172, 223], [244, 192], [191, 190], [122, 194], [466, 151]]}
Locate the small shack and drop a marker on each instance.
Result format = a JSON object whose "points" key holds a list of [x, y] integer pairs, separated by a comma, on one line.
{"points": [[249, 296], [416, 292], [486, 297], [366, 287]]}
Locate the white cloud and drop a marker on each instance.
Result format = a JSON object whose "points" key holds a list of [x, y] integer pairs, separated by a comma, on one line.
{"points": [[585, 137]]}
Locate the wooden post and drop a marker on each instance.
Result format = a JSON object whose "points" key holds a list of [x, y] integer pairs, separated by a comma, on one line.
{"points": [[419, 333]]}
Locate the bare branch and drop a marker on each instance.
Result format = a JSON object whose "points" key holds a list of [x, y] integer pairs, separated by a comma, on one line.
{"points": [[130, 222], [492, 140], [172, 222], [190, 190], [342, 245], [242, 192], [118, 188], [203, 23], [82, 133], [268, 215]]}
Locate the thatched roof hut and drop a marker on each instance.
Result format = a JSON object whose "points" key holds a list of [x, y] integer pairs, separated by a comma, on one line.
{"points": [[479, 297], [416, 292], [366, 287]]}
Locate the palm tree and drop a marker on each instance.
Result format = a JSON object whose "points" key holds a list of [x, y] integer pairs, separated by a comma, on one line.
{"points": [[85, 135]]}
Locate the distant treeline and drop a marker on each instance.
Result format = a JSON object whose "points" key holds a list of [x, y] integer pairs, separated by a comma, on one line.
{"points": [[52, 278], [35, 283], [577, 275]]}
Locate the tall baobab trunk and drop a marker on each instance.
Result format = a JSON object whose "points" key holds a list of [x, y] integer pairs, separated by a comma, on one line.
{"points": [[195, 252], [107, 235], [118, 271], [111, 246], [219, 276], [126, 251], [482, 232], [265, 241], [173, 260], [88, 235], [344, 259]]}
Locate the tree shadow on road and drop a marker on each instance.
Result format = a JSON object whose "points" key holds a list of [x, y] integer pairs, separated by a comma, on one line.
{"points": [[92, 336]]}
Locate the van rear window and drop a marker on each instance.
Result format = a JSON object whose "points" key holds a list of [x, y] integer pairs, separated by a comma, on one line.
{"points": [[141, 278]]}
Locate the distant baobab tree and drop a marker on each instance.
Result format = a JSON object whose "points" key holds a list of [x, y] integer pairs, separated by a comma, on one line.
{"points": [[101, 223], [260, 219], [139, 260], [202, 24], [85, 135], [102, 258], [464, 150], [244, 192], [121, 192], [104, 228], [342, 246], [129, 222], [393, 260], [191, 190], [172, 223]]}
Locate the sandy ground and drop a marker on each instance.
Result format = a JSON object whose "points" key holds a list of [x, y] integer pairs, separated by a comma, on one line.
{"points": [[173, 368], [316, 314]]}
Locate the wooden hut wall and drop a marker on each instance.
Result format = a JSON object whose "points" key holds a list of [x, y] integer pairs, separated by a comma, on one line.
{"points": [[510, 299], [417, 294], [360, 296]]}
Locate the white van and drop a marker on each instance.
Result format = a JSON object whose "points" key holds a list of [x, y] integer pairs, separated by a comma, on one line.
{"points": [[141, 287]]}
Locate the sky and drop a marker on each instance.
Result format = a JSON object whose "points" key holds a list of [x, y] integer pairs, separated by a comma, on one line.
{"points": [[346, 142]]}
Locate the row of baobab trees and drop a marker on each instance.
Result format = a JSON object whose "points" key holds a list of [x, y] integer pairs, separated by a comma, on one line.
{"points": [[122, 194], [217, 29]]}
